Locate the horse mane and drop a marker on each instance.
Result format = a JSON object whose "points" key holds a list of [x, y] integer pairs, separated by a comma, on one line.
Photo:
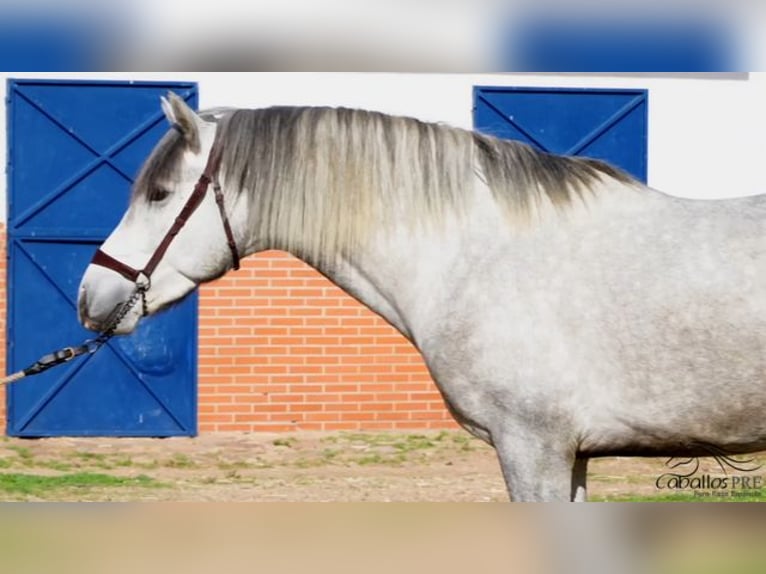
{"points": [[322, 178]]}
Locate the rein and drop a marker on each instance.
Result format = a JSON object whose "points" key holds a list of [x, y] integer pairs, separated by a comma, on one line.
{"points": [[142, 279]]}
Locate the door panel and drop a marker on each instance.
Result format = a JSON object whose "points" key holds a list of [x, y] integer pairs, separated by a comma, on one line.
{"points": [[74, 149]]}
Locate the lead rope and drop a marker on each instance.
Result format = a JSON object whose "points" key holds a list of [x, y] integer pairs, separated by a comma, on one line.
{"points": [[89, 347]]}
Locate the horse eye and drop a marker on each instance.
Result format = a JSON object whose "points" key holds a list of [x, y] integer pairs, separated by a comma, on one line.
{"points": [[158, 194]]}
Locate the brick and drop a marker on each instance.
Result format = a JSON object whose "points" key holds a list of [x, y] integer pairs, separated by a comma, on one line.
{"points": [[393, 416], [357, 397], [234, 408], [306, 331], [304, 426], [344, 350], [306, 388], [377, 388], [215, 418], [381, 371], [341, 408], [321, 417], [292, 418], [391, 397], [340, 426], [324, 360], [377, 407], [361, 416], [411, 407], [289, 379], [429, 395], [306, 311], [236, 427], [276, 428], [343, 388], [410, 425], [287, 398], [323, 397], [339, 369]]}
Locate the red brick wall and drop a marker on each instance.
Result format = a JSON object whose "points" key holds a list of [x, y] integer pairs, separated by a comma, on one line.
{"points": [[281, 349]]}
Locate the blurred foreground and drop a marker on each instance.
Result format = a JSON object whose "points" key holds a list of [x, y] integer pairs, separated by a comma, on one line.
{"points": [[376, 36], [335, 538], [339, 538]]}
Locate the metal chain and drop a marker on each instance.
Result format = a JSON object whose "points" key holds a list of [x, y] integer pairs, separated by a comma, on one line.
{"points": [[90, 346], [116, 318]]}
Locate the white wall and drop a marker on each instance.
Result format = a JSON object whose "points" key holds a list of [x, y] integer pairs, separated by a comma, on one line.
{"points": [[706, 134]]}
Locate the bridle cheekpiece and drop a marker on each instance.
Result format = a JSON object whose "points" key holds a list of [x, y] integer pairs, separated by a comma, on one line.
{"points": [[143, 278]]}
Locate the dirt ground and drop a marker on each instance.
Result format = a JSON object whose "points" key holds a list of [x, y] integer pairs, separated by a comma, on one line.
{"points": [[307, 467]]}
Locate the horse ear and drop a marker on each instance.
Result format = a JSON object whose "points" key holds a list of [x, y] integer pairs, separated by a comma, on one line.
{"points": [[182, 118]]}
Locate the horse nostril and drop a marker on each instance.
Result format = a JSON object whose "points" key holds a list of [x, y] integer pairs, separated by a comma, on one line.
{"points": [[82, 311], [82, 305]]}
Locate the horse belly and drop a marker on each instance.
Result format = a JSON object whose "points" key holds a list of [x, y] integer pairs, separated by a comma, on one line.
{"points": [[697, 384]]}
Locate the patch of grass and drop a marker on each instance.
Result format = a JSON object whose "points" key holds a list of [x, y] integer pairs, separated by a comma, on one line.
{"points": [[414, 442], [257, 464], [6, 463], [329, 454], [466, 442], [34, 485], [307, 463], [91, 459], [305, 480], [180, 460], [288, 442], [369, 459], [393, 448], [22, 452], [88, 456], [55, 465], [370, 439], [378, 459], [408, 442], [234, 465]]}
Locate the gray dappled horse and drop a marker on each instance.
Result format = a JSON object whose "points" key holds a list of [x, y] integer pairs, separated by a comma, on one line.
{"points": [[564, 310]]}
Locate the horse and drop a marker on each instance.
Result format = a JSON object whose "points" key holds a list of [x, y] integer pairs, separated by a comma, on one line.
{"points": [[564, 310]]}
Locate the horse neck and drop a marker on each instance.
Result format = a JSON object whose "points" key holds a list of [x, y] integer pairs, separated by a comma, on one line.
{"points": [[412, 278], [396, 279], [408, 276]]}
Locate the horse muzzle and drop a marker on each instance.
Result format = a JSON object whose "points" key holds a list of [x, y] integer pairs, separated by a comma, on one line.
{"points": [[100, 298]]}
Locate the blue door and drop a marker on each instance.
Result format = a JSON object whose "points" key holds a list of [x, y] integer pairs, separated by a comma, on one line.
{"points": [[74, 149], [610, 125]]}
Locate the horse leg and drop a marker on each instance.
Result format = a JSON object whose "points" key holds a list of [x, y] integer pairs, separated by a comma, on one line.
{"points": [[579, 480], [536, 470]]}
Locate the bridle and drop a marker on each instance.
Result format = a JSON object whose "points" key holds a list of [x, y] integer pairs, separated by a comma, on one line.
{"points": [[143, 278]]}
